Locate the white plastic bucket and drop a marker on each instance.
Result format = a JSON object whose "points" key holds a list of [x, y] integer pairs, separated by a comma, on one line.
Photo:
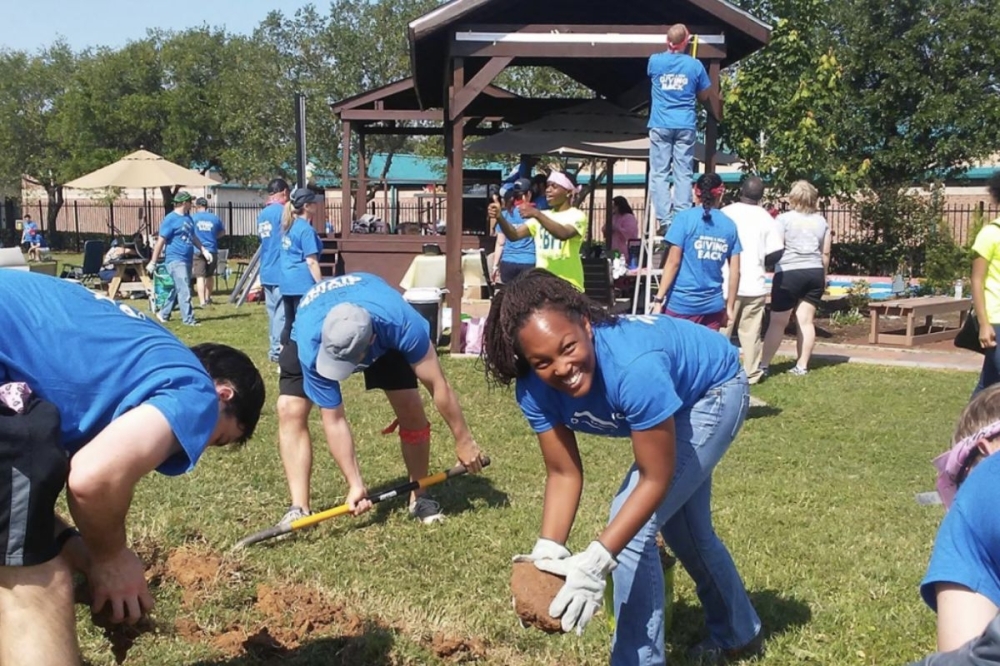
{"points": [[429, 302]]}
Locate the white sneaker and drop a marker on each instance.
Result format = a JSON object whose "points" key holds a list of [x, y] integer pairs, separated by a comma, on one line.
{"points": [[160, 318]]}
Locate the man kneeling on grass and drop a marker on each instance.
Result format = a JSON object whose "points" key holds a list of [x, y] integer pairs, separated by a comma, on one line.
{"points": [[343, 325], [93, 396]]}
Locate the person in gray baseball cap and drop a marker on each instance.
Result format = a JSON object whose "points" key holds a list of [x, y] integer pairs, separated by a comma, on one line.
{"points": [[358, 323]]}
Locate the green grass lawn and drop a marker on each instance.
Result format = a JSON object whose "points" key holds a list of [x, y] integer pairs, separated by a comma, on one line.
{"points": [[815, 501]]}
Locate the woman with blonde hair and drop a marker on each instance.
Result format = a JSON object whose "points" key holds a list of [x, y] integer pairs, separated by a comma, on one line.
{"points": [[799, 276]]}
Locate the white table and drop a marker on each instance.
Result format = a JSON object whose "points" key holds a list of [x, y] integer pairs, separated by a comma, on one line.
{"points": [[428, 270]]}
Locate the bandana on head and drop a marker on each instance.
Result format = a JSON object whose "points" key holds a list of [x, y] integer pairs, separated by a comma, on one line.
{"points": [[278, 197], [563, 181], [949, 464]]}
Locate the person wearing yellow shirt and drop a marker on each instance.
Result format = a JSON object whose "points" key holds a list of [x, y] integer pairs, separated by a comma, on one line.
{"points": [[558, 231], [986, 291]]}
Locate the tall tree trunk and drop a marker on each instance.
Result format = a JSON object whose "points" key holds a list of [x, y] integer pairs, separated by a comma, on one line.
{"points": [[55, 204], [168, 197]]}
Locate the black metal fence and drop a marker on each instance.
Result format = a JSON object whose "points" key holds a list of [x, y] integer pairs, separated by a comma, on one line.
{"points": [[81, 219]]}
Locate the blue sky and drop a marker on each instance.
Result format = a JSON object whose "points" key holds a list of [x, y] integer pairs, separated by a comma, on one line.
{"points": [[37, 23]]}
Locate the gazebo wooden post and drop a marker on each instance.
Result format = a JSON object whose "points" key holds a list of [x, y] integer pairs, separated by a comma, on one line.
{"points": [[345, 180], [361, 201], [712, 125], [454, 149], [609, 195]]}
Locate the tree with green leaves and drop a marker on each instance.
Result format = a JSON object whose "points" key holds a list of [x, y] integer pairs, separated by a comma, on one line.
{"points": [[31, 89]]}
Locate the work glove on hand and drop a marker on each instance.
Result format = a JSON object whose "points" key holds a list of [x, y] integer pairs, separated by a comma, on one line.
{"points": [[583, 592], [151, 267], [545, 549], [208, 255]]}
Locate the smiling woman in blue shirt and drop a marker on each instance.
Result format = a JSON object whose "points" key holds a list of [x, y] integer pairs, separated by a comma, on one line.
{"points": [[677, 392]]}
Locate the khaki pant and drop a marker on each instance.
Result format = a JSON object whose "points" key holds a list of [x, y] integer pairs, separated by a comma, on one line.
{"points": [[749, 317]]}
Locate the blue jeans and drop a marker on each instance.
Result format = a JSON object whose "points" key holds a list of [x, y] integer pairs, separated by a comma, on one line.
{"points": [[704, 433], [671, 152], [990, 373], [180, 271], [275, 318]]}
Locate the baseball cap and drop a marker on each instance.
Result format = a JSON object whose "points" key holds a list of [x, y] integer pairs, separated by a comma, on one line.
{"points": [[201, 201], [182, 196], [301, 196], [521, 185], [347, 335]]}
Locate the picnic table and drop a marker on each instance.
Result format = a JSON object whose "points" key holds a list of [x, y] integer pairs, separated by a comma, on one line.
{"points": [[121, 268], [913, 309]]}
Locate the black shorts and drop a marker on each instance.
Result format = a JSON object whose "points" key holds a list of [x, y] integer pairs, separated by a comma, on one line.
{"points": [[33, 471], [790, 287], [201, 268], [390, 372], [509, 271]]}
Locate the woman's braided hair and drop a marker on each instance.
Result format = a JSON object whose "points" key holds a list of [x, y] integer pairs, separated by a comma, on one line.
{"points": [[705, 184], [534, 290]]}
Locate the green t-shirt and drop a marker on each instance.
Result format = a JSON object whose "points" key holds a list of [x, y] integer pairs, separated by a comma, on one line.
{"points": [[987, 246], [561, 257]]}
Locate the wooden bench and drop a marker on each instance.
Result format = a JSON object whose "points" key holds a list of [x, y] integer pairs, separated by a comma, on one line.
{"points": [[912, 309]]}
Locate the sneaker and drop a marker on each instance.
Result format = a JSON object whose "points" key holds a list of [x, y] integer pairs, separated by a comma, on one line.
{"points": [[161, 319], [798, 372], [426, 510], [708, 653], [194, 323], [293, 514]]}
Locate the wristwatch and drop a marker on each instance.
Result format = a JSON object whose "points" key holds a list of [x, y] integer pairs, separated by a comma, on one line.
{"points": [[656, 299]]}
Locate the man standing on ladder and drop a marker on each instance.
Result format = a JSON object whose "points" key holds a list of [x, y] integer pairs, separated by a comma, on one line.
{"points": [[678, 80]]}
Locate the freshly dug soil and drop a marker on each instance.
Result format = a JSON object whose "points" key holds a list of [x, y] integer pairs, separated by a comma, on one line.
{"points": [[533, 591]]}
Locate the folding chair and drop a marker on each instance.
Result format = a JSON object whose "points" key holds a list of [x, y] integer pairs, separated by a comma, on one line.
{"points": [[93, 259]]}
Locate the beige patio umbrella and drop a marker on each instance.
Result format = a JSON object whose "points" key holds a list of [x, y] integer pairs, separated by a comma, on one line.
{"points": [[141, 169]]}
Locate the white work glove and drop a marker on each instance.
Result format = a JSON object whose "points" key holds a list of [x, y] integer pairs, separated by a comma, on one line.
{"points": [[208, 255], [583, 592], [151, 267], [545, 549]]}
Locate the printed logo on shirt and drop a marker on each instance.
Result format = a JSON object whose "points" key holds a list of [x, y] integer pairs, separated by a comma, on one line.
{"points": [[286, 242], [673, 81], [711, 247], [593, 421], [206, 225], [328, 285], [264, 229], [550, 242]]}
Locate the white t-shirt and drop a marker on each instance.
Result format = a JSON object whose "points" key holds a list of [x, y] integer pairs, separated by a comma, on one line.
{"points": [[760, 236]]}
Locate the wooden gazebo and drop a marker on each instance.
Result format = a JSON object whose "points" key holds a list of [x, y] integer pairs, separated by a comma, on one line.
{"points": [[459, 48]]}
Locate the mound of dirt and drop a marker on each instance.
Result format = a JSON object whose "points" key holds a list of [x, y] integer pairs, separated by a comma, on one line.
{"points": [[457, 649], [533, 590], [195, 570]]}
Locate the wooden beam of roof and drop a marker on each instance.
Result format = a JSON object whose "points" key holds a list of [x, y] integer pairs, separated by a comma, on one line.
{"points": [[566, 28], [477, 84], [378, 97], [483, 48], [434, 115]]}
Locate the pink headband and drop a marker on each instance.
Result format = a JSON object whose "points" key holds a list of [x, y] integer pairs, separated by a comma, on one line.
{"points": [[949, 464], [563, 181]]}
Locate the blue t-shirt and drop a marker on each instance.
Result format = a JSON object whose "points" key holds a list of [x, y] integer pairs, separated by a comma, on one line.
{"points": [[967, 547], [299, 242], [177, 230], [706, 247], [269, 230], [208, 227], [520, 251], [648, 368], [677, 79], [397, 326], [117, 360], [27, 236]]}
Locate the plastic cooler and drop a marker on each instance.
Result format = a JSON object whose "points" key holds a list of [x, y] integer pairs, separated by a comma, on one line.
{"points": [[429, 302]]}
